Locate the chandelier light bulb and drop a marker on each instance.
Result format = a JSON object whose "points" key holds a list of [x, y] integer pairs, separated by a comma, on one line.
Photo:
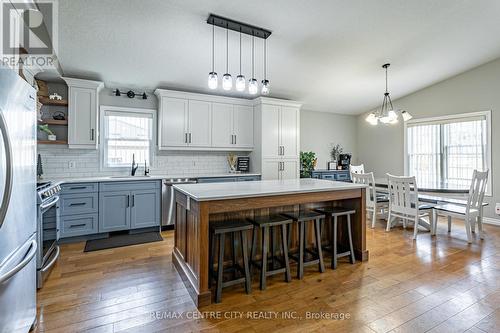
{"points": [[253, 86], [240, 83], [372, 119], [227, 82], [212, 80], [265, 87]]}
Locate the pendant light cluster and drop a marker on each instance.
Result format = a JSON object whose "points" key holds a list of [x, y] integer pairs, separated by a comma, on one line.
{"points": [[387, 114], [240, 82]]}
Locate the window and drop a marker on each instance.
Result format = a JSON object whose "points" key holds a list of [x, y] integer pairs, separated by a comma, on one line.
{"points": [[443, 152], [126, 133]]}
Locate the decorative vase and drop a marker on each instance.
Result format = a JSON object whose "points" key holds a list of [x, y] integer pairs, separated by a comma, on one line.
{"points": [[51, 137]]}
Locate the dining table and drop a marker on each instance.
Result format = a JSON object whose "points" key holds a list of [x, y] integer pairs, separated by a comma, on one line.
{"points": [[432, 193]]}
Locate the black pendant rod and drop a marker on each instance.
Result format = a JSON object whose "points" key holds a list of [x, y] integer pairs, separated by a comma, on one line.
{"points": [[245, 28], [253, 52], [213, 47], [227, 50], [240, 51]]}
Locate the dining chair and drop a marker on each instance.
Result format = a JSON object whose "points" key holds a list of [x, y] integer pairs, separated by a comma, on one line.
{"points": [[472, 212], [375, 202], [356, 169], [404, 204]]}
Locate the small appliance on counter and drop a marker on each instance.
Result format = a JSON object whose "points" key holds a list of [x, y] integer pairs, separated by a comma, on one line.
{"points": [[344, 161]]}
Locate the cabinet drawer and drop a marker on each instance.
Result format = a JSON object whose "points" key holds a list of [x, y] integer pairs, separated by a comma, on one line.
{"points": [[78, 225], [79, 188], [129, 186], [247, 179], [342, 176], [328, 176], [217, 180], [72, 204]]}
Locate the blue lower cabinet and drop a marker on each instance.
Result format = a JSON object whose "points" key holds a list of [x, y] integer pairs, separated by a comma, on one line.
{"points": [[114, 211], [145, 209], [339, 175], [129, 205], [78, 225]]}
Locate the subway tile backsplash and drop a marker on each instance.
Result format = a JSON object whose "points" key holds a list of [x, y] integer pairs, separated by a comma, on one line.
{"points": [[61, 161]]}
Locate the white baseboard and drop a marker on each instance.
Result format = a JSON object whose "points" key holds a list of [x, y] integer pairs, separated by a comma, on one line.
{"points": [[492, 221]]}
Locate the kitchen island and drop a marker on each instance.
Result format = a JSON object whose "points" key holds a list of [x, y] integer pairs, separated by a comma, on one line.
{"points": [[199, 204]]}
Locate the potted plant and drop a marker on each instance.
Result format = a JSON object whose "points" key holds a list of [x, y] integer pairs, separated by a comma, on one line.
{"points": [[308, 162], [334, 154], [50, 135]]}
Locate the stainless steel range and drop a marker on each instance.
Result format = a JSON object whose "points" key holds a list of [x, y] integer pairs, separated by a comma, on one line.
{"points": [[47, 229]]}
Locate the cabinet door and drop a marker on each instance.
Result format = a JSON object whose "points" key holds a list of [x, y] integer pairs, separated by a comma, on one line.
{"points": [[270, 131], [82, 130], [114, 211], [145, 209], [270, 169], [243, 126], [290, 169], [173, 122], [222, 125], [200, 124], [289, 132]]}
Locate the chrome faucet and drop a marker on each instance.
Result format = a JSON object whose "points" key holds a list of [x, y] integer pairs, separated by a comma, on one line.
{"points": [[134, 165]]}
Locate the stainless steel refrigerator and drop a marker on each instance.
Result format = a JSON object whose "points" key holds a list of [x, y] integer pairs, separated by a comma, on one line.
{"points": [[18, 244]]}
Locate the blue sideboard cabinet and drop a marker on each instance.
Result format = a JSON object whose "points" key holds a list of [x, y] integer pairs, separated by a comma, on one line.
{"points": [[339, 175], [129, 205]]}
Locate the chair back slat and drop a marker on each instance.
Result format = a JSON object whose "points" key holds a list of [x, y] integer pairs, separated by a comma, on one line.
{"points": [[369, 180], [477, 190], [356, 169], [403, 194]]}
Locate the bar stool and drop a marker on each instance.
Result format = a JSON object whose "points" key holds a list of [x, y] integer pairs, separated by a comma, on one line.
{"points": [[267, 224], [337, 212], [303, 218], [219, 230]]}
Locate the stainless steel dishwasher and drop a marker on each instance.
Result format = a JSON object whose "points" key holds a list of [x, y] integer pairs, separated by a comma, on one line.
{"points": [[168, 200]]}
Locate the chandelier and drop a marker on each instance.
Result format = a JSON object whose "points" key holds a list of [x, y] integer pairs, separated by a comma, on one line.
{"points": [[227, 79], [387, 114]]}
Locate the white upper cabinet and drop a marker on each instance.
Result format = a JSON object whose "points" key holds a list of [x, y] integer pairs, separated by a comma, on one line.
{"points": [[173, 122], [199, 124], [83, 99], [243, 126], [222, 125], [271, 115], [204, 122], [289, 132]]}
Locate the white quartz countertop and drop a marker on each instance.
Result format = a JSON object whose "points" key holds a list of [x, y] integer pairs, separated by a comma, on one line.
{"points": [[218, 191], [140, 178]]}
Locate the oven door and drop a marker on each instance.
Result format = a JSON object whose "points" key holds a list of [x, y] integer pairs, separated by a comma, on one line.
{"points": [[48, 235]]}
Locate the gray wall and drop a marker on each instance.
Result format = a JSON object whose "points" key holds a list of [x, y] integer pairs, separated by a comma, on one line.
{"points": [[380, 148], [319, 131]]}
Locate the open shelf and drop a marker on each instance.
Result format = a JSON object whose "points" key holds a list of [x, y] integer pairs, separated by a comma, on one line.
{"points": [[56, 142], [54, 122], [48, 101]]}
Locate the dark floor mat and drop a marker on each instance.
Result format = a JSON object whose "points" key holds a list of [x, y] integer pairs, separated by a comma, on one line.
{"points": [[122, 240]]}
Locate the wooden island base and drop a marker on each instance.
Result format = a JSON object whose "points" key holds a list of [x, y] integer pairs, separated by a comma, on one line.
{"points": [[191, 251]]}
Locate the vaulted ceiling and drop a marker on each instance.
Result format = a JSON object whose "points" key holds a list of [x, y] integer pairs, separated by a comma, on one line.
{"points": [[324, 53]]}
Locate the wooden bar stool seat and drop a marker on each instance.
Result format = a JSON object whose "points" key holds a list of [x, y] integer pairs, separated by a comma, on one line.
{"points": [[267, 225], [302, 218], [219, 230], [333, 214]]}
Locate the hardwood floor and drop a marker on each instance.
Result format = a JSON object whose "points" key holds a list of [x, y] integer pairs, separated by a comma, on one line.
{"points": [[438, 284]]}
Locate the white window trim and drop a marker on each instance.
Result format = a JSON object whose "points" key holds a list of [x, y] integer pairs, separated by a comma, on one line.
{"points": [[486, 114], [102, 147]]}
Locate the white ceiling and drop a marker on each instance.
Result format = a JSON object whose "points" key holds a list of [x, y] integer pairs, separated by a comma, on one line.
{"points": [[326, 54]]}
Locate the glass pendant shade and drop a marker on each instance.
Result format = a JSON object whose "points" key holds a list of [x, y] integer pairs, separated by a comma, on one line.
{"points": [[212, 80], [253, 86], [265, 87], [406, 115], [227, 82], [372, 119], [240, 83]]}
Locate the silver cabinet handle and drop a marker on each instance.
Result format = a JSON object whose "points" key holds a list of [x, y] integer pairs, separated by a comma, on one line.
{"points": [[22, 264], [283, 152], [128, 200], [92, 134], [133, 200], [189, 137], [8, 169], [77, 204], [185, 138], [77, 225], [235, 139]]}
